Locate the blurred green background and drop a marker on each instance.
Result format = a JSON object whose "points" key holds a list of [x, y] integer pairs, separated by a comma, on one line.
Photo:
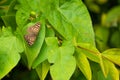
{"points": [[105, 15]]}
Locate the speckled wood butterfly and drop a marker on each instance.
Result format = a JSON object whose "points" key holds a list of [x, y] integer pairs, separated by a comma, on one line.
{"points": [[33, 31]]}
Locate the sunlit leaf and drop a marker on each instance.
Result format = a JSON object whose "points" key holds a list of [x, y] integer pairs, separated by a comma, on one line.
{"points": [[62, 58], [42, 56], [90, 51], [60, 24], [104, 66], [83, 64], [52, 49], [76, 14], [112, 55], [113, 71], [9, 52], [109, 67], [21, 17], [43, 69], [64, 65]]}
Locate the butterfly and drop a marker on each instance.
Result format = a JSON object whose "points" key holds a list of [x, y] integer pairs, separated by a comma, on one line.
{"points": [[32, 33]]}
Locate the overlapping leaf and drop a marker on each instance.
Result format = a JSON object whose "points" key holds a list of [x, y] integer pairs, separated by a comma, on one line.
{"points": [[9, 51], [104, 66], [83, 64], [43, 69], [109, 57], [77, 15], [43, 52], [24, 9], [90, 51], [113, 55], [62, 59], [60, 24]]}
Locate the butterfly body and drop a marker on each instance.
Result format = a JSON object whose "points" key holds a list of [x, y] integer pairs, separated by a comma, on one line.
{"points": [[32, 33]]}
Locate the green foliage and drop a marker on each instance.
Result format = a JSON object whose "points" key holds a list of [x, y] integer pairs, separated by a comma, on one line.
{"points": [[43, 69], [9, 51], [64, 48], [4, 6], [83, 64]]}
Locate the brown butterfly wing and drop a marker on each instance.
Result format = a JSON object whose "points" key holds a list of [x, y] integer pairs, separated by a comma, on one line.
{"points": [[30, 38], [32, 33], [34, 29]]}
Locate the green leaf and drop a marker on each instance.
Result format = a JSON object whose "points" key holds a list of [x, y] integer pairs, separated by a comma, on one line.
{"points": [[29, 5], [4, 6], [9, 57], [112, 55], [83, 63], [102, 34], [64, 69], [61, 2], [104, 66], [9, 49], [52, 49], [102, 77], [9, 17], [108, 67], [64, 65], [66, 22], [0, 32], [32, 5], [115, 39], [22, 17], [9, 20], [11, 10], [49, 31], [42, 70], [24, 10], [93, 6], [62, 58], [42, 56], [23, 4], [33, 51], [75, 13], [95, 68], [43, 52], [113, 71], [60, 24], [19, 40], [90, 51], [6, 31], [113, 15], [47, 6]]}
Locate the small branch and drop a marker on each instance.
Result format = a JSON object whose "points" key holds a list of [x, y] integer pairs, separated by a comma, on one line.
{"points": [[97, 53]]}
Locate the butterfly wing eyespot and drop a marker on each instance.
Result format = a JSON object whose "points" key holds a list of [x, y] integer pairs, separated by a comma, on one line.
{"points": [[32, 33]]}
